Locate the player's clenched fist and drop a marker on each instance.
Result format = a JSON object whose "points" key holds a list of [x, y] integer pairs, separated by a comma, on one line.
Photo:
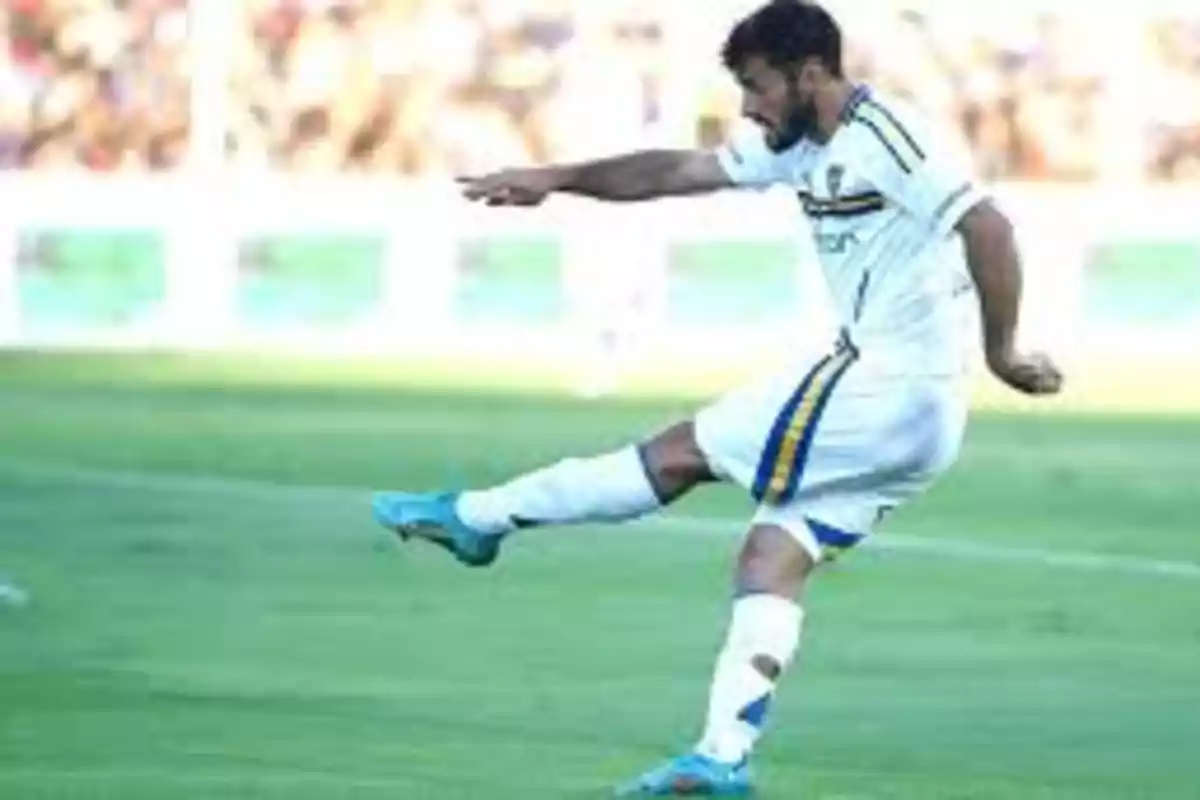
{"points": [[511, 187], [1035, 373]]}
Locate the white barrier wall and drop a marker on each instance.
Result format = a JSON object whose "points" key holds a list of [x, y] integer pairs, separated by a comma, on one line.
{"points": [[420, 272]]}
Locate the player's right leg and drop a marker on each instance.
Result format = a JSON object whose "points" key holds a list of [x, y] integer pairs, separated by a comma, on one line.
{"points": [[614, 487]]}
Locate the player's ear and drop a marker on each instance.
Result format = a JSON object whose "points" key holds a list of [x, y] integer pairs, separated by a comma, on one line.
{"points": [[809, 73]]}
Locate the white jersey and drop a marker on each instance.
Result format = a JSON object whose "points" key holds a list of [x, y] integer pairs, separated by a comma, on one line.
{"points": [[882, 198]]}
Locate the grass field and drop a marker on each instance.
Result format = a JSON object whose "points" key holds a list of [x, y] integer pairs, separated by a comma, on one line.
{"points": [[214, 615]]}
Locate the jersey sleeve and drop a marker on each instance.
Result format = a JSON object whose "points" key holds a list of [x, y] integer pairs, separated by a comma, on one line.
{"points": [[928, 176], [748, 161]]}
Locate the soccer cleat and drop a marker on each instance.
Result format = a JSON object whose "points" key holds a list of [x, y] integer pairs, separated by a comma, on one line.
{"points": [[693, 774], [433, 517]]}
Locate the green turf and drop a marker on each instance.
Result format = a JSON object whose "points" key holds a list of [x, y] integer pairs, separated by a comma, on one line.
{"points": [[214, 615]]}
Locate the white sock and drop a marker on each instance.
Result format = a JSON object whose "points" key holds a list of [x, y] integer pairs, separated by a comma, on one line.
{"points": [[607, 488], [763, 626]]}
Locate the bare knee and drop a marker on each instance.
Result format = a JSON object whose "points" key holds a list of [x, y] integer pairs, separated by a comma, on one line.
{"points": [[772, 561], [674, 463]]}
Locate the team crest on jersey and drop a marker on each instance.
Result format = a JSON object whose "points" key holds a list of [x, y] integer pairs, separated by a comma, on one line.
{"points": [[833, 180]]}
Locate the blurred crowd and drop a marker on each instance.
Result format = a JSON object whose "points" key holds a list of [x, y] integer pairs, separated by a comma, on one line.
{"points": [[1073, 95], [93, 84], [427, 87], [421, 86]]}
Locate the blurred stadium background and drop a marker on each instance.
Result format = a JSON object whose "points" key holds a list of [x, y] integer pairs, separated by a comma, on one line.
{"points": [[276, 172], [237, 290]]}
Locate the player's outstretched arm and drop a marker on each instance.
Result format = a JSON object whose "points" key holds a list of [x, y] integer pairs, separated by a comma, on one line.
{"points": [[995, 265], [643, 175]]}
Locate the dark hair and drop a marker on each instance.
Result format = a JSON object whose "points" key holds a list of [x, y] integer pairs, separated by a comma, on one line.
{"points": [[785, 33]]}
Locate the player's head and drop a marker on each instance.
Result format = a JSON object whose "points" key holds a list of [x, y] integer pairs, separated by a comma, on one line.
{"points": [[780, 55]]}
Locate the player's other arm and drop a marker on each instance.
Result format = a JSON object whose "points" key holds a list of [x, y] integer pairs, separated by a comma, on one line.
{"points": [[920, 175], [995, 266], [642, 175]]}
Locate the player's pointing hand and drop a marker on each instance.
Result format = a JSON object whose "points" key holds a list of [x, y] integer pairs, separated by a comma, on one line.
{"points": [[510, 187]]}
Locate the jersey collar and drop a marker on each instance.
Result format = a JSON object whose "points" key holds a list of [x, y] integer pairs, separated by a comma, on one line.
{"points": [[859, 96]]}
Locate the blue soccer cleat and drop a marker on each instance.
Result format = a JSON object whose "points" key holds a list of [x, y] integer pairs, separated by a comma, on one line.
{"points": [[695, 775], [433, 517]]}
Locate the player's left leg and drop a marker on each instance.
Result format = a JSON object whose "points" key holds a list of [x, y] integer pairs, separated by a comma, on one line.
{"points": [[613, 487]]}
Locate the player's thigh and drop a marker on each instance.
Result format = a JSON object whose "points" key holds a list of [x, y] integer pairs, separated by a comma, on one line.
{"points": [[879, 445], [723, 440], [883, 435], [762, 436], [733, 431]]}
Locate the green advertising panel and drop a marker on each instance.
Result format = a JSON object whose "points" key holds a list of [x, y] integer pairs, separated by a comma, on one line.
{"points": [[1143, 283], [731, 282], [83, 280], [309, 281], [511, 282]]}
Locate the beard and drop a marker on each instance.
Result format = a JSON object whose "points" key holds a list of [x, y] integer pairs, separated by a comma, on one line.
{"points": [[799, 123]]}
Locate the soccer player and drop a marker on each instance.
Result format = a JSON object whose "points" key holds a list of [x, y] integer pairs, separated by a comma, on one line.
{"points": [[902, 231]]}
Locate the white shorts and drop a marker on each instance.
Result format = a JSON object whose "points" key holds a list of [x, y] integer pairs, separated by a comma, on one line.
{"points": [[828, 449]]}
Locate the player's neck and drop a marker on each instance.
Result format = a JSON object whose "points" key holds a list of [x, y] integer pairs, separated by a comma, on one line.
{"points": [[831, 103]]}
